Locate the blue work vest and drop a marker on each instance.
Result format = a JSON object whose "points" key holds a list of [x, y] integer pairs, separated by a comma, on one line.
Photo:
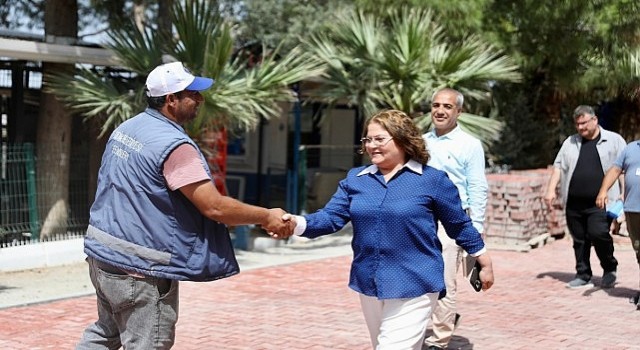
{"points": [[138, 224]]}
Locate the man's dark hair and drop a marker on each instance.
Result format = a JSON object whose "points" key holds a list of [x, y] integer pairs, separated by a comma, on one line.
{"points": [[155, 102]]}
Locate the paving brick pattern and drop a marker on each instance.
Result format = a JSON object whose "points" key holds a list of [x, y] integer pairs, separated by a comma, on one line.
{"points": [[308, 306]]}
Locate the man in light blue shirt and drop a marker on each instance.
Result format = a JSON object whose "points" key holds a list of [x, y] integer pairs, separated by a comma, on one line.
{"points": [[461, 156], [628, 163]]}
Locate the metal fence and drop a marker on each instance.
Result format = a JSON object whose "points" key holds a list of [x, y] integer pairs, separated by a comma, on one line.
{"points": [[21, 188]]}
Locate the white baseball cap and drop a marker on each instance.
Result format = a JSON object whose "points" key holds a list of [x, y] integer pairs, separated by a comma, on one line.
{"points": [[173, 77]]}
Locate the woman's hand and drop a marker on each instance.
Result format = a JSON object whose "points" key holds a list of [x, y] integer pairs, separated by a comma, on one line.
{"points": [[486, 273]]}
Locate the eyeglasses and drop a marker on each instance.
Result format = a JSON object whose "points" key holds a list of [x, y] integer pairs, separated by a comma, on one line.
{"points": [[376, 140]]}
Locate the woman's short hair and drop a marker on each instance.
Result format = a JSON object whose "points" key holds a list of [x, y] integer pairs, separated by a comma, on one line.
{"points": [[404, 132]]}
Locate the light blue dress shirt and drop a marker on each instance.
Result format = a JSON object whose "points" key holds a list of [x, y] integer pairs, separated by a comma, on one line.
{"points": [[629, 162], [396, 251], [461, 156]]}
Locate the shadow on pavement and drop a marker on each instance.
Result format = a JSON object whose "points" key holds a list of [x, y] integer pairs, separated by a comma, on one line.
{"points": [[461, 343], [559, 276], [625, 293], [5, 288], [457, 342]]}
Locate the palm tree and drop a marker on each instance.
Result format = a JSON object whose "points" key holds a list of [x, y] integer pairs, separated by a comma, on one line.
{"points": [[241, 95], [399, 62], [203, 41]]}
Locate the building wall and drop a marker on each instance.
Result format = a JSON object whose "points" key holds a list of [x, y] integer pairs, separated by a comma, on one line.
{"points": [[263, 166], [338, 129]]}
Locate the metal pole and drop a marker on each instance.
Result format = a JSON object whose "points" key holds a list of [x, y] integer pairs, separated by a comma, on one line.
{"points": [[297, 125]]}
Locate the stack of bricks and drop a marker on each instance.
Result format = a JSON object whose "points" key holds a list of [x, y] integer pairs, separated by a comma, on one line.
{"points": [[555, 217], [516, 212]]}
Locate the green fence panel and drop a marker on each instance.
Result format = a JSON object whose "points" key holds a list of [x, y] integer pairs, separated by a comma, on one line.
{"points": [[20, 218], [32, 195]]}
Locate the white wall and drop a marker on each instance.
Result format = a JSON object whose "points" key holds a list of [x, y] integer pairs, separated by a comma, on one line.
{"points": [[337, 128], [275, 141], [43, 254], [274, 146]]}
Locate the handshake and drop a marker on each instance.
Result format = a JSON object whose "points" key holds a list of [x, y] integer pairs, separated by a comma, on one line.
{"points": [[279, 224]]}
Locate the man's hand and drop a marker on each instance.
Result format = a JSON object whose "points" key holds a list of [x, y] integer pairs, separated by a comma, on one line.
{"points": [[552, 185], [291, 221], [549, 199], [602, 199], [276, 226]]}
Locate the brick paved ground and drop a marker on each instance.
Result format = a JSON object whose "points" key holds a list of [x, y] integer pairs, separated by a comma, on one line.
{"points": [[308, 306]]}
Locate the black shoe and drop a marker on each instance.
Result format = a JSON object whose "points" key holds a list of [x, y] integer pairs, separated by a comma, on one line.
{"points": [[433, 347], [608, 279]]}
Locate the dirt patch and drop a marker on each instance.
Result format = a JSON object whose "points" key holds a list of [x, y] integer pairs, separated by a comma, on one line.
{"points": [[42, 284]]}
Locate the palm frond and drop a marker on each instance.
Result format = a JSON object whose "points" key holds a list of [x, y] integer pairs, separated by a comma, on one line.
{"points": [[138, 51], [621, 77], [399, 63], [249, 94], [95, 96], [475, 62], [204, 43], [349, 49], [198, 24]]}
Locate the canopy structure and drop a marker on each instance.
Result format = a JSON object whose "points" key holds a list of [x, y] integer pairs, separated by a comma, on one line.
{"points": [[18, 49], [21, 59]]}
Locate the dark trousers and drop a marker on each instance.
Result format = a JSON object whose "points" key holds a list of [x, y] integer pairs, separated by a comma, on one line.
{"points": [[590, 227]]}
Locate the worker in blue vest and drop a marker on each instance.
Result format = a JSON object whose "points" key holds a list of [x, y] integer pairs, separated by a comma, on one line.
{"points": [[158, 219]]}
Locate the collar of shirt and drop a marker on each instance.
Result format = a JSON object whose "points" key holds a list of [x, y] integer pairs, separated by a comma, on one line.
{"points": [[602, 137], [411, 165], [156, 114], [451, 134]]}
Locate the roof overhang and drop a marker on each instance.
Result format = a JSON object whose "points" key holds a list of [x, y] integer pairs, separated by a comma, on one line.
{"points": [[44, 52]]}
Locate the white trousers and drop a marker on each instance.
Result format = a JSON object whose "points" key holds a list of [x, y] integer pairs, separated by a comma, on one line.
{"points": [[397, 324]]}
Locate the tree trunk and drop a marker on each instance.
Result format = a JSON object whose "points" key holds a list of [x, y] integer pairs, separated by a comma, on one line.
{"points": [[164, 16], [54, 125], [138, 14]]}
